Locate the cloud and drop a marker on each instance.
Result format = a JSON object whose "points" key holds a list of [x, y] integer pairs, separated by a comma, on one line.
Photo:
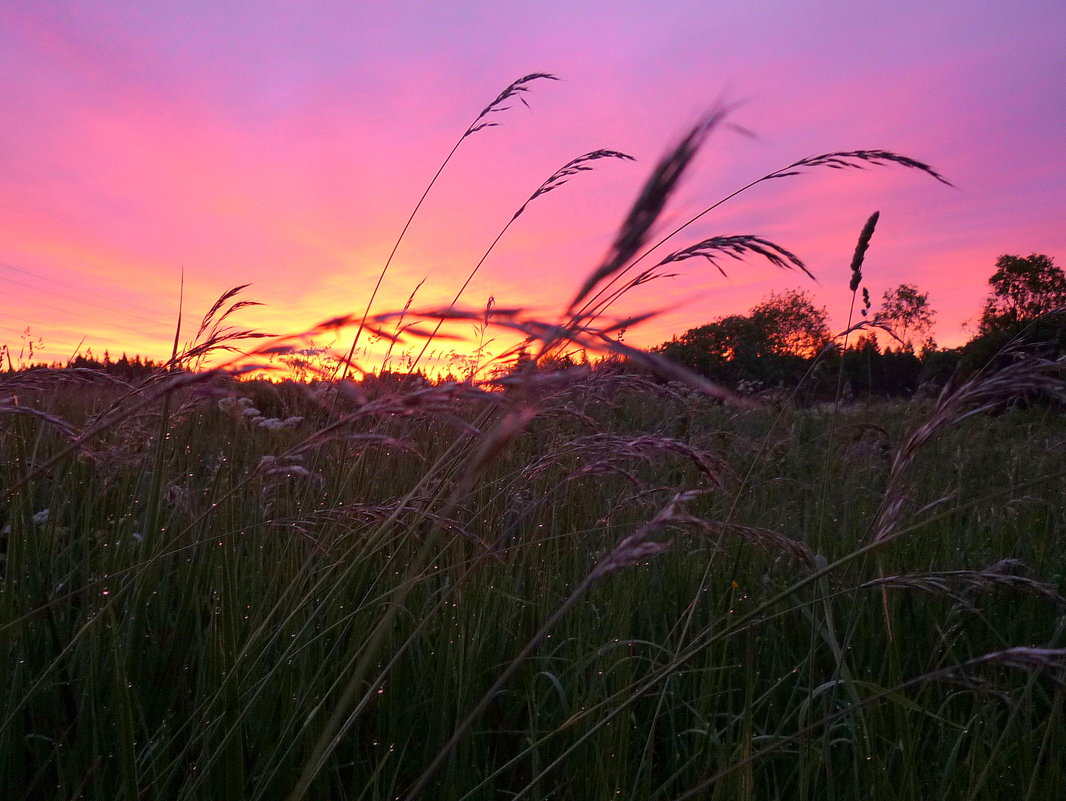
{"points": [[286, 144]]}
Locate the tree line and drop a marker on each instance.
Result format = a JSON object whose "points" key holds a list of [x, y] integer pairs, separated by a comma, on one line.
{"points": [[784, 341], [128, 368]]}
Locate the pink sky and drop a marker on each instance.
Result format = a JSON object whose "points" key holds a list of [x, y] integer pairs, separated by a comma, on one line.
{"points": [[285, 143]]}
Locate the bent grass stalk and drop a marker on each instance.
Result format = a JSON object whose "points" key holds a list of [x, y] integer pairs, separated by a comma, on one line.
{"points": [[556, 180], [635, 548], [901, 532], [1019, 658], [604, 298], [305, 650], [885, 532], [615, 705], [344, 715], [482, 121]]}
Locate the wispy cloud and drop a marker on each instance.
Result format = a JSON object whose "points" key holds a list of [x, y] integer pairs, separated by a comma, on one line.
{"points": [[284, 145]]}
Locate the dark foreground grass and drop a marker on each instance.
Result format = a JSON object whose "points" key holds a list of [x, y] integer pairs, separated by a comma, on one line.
{"points": [[320, 616], [565, 584]]}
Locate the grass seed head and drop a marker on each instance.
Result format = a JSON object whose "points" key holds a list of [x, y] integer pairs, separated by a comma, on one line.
{"points": [[860, 250]]}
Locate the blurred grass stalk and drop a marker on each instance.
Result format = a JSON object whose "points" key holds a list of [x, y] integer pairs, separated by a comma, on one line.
{"points": [[562, 583]]}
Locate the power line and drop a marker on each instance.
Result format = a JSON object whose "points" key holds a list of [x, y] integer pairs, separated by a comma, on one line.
{"points": [[51, 280], [107, 324], [149, 321]]}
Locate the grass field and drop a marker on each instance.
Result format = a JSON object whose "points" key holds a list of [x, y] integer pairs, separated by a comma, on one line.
{"points": [[443, 594], [568, 583]]}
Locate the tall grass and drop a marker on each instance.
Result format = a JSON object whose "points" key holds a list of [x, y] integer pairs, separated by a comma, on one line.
{"points": [[561, 583]]}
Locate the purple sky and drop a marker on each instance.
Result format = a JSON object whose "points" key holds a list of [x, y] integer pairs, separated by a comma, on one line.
{"points": [[285, 143]]}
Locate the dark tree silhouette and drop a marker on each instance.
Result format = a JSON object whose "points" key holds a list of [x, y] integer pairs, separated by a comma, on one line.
{"points": [[1017, 313], [772, 344], [907, 312], [1022, 290]]}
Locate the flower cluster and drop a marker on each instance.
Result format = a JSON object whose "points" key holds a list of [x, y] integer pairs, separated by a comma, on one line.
{"points": [[242, 408]]}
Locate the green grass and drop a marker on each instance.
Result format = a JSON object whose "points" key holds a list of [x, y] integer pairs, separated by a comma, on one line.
{"points": [[575, 585], [329, 632]]}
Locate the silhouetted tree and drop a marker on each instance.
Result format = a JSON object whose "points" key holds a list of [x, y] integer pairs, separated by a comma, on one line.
{"points": [[907, 312], [1022, 290], [772, 344], [792, 323], [939, 366]]}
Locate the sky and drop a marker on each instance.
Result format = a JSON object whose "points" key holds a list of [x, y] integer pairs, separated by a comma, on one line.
{"points": [[284, 144]]}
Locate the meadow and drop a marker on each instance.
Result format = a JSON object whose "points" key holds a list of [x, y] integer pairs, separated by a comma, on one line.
{"points": [[644, 594], [612, 580]]}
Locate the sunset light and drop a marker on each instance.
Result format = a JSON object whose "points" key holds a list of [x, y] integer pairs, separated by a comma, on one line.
{"points": [[543, 401], [285, 144]]}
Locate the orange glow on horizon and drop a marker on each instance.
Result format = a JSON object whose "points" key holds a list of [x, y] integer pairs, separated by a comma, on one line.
{"points": [[287, 150]]}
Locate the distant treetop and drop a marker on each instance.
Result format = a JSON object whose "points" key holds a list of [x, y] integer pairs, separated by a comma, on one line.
{"points": [[1022, 290]]}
